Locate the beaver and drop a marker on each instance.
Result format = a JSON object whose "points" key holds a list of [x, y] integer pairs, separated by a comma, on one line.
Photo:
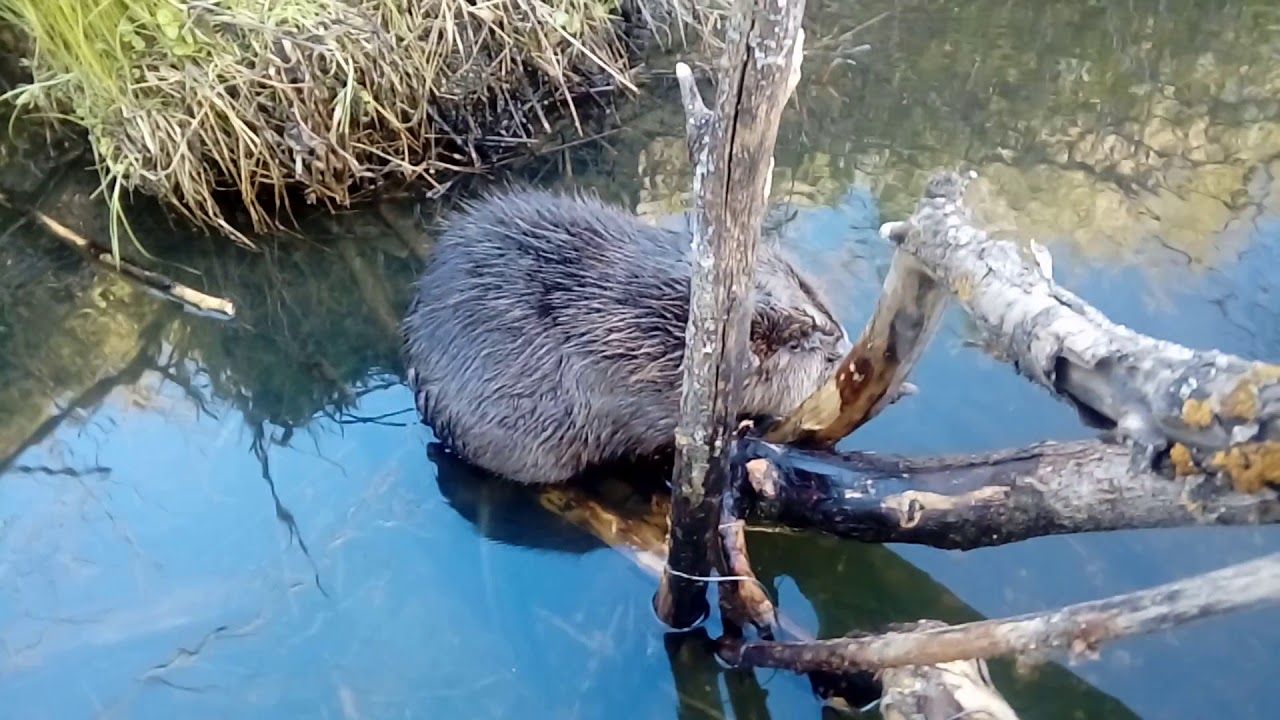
{"points": [[545, 334]]}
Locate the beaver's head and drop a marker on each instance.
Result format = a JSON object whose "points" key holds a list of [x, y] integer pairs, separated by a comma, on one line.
{"points": [[796, 342]]}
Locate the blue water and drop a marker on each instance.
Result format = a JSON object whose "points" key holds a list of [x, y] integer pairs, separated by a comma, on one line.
{"points": [[254, 546]]}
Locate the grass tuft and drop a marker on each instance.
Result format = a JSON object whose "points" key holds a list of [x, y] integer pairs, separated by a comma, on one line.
{"points": [[186, 99]]}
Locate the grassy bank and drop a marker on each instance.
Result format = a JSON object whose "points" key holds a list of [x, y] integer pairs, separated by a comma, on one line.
{"points": [[320, 99]]}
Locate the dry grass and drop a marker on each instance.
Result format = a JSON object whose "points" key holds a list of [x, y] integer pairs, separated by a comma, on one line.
{"points": [[182, 99]]}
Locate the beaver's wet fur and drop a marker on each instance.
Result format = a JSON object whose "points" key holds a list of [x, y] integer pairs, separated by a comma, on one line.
{"points": [[546, 333]]}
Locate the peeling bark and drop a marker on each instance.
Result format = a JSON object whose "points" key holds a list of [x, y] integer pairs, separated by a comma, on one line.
{"points": [[732, 154], [1079, 629], [1204, 410], [973, 501], [873, 374]]}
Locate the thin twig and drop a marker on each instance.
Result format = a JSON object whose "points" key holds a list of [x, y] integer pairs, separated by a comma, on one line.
{"points": [[161, 284]]}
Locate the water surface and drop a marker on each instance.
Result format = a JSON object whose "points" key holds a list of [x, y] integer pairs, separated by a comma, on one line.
{"points": [[211, 519]]}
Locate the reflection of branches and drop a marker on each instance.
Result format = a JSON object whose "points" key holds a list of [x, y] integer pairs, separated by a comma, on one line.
{"points": [[283, 514], [344, 417], [1079, 629], [352, 396], [185, 656], [175, 370], [62, 472], [149, 340]]}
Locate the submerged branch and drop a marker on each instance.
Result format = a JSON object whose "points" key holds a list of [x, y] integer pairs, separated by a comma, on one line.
{"points": [[149, 341], [160, 284], [1079, 628], [973, 501], [1208, 410]]}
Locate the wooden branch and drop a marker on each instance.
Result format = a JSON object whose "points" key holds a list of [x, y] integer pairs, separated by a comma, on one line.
{"points": [[1079, 628], [946, 691], [641, 540], [742, 600], [968, 502], [1207, 410], [933, 692], [160, 284], [873, 373], [731, 152]]}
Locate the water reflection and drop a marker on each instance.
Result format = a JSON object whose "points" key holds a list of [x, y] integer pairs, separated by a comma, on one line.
{"points": [[242, 519]]}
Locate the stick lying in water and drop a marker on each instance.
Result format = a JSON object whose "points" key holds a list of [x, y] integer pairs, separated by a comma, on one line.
{"points": [[972, 501], [1205, 411], [1079, 629], [161, 284]]}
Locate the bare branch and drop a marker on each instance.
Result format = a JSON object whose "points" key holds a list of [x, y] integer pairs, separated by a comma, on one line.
{"points": [[742, 600], [1080, 628], [695, 110], [1210, 411], [731, 153], [973, 501], [874, 372]]}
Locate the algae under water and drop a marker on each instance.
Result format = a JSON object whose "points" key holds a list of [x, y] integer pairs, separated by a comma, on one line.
{"points": [[207, 519]]}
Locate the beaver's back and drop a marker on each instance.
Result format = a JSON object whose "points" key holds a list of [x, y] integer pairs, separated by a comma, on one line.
{"points": [[546, 331]]}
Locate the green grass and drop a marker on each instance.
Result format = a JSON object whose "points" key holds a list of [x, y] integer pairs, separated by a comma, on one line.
{"points": [[181, 98]]}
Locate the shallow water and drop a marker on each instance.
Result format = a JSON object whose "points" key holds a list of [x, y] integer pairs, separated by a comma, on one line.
{"points": [[208, 519]]}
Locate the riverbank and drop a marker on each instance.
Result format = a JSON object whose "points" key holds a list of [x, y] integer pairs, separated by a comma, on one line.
{"points": [[321, 101]]}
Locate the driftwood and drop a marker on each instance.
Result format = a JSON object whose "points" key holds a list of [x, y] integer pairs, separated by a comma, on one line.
{"points": [[1079, 629], [1202, 409], [974, 501], [1117, 379], [968, 502], [155, 282], [732, 154]]}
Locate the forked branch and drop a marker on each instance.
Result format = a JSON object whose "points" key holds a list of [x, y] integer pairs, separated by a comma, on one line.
{"points": [[1202, 409]]}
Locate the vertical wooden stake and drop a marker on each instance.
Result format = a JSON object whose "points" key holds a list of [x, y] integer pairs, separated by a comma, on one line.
{"points": [[731, 150]]}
